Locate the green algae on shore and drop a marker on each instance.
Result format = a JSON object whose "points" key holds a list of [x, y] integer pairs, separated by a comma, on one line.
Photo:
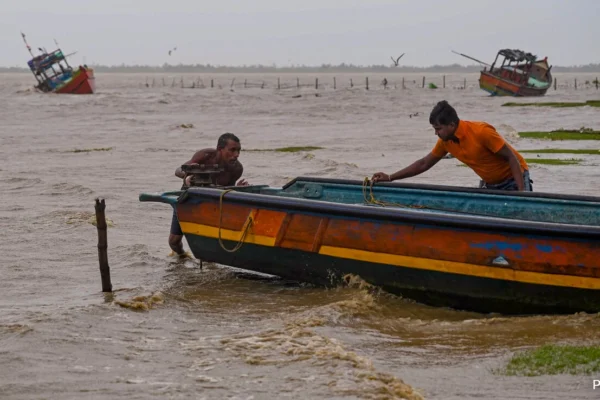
{"points": [[292, 149], [563, 134], [553, 161], [555, 359], [562, 151], [561, 104], [90, 150]]}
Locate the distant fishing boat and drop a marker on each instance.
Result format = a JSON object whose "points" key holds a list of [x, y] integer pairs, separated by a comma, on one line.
{"points": [[472, 249], [54, 74], [515, 73]]}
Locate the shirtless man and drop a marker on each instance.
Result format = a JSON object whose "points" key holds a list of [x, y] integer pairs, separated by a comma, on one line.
{"points": [[226, 156]]}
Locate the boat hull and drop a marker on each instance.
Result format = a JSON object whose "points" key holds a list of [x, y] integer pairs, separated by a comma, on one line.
{"points": [[83, 82], [429, 287], [497, 86], [457, 260]]}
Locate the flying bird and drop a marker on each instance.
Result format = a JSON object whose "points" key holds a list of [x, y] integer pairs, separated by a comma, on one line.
{"points": [[397, 60], [172, 50]]}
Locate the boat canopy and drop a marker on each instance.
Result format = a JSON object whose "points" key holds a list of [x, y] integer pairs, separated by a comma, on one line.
{"points": [[517, 55], [45, 61]]}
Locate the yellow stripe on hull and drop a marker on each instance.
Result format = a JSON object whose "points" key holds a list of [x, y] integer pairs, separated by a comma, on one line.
{"points": [[452, 267], [226, 234]]}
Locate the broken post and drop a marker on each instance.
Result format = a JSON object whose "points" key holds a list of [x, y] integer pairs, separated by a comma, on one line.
{"points": [[102, 246]]}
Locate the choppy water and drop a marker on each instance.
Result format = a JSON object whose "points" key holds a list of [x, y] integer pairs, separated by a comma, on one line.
{"points": [[172, 330]]}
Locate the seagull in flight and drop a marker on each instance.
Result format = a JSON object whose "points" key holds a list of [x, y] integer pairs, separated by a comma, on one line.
{"points": [[170, 51], [397, 60]]}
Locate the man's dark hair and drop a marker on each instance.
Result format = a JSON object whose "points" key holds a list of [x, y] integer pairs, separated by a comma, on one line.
{"points": [[226, 137], [443, 114]]}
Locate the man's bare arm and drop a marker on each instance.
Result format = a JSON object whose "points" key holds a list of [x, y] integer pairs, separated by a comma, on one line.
{"points": [[198, 158], [506, 153], [416, 168]]}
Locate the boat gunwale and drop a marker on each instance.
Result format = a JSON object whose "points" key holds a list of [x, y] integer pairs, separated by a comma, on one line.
{"points": [[444, 188], [464, 221]]}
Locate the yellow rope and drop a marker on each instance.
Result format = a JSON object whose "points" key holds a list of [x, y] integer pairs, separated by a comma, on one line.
{"points": [[370, 197], [243, 237]]}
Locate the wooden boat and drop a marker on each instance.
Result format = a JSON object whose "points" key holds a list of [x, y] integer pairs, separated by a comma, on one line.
{"points": [[471, 249], [518, 74], [54, 74]]}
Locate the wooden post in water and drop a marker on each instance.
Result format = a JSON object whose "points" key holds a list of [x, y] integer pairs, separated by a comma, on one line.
{"points": [[102, 245], [152, 82], [423, 85], [334, 85], [444, 82], [575, 83], [212, 83], [163, 80], [555, 80], [596, 83], [245, 83], [316, 83], [351, 83], [278, 84], [367, 82], [465, 84], [403, 87]]}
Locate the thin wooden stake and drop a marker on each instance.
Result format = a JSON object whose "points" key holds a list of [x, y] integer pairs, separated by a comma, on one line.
{"points": [[103, 245], [367, 82], [423, 85]]}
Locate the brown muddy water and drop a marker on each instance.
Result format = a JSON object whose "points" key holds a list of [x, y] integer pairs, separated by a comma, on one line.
{"points": [[172, 330]]}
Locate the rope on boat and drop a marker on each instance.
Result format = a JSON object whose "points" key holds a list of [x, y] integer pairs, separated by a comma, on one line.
{"points": [[246, 229], [369, 197]]}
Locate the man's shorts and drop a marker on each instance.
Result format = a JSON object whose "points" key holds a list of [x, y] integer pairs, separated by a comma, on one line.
{"points": [[510, 184], [175, 227]]}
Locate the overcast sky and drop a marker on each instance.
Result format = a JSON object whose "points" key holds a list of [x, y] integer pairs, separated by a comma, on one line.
{"points": [[296, 32]]}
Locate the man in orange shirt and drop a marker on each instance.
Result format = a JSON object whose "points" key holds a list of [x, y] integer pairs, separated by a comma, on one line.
{"points": [[478, 145]]}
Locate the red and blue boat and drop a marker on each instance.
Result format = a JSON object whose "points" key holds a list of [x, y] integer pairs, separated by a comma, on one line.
{"points": [[464, 248], [54, 74]]}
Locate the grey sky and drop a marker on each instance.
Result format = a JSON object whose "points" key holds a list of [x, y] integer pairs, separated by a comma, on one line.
{"points": [[310, 32]]}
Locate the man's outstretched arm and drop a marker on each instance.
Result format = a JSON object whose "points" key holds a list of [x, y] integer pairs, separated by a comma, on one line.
{"points": [[416, 168]]}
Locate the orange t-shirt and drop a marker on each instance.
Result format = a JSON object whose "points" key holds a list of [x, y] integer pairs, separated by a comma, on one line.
{"points": [[477, 147]]}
